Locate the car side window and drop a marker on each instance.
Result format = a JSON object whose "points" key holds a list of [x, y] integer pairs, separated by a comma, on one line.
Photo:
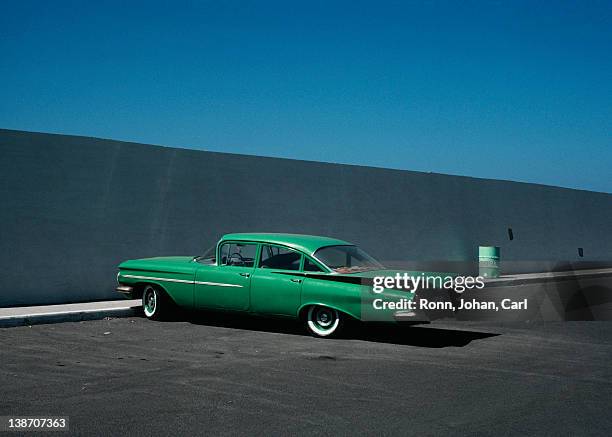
{"points": [[310, 266], [280, 258], [238, 254]]}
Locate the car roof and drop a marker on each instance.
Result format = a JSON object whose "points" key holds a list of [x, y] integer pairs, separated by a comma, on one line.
{"points": [[306, 243]]}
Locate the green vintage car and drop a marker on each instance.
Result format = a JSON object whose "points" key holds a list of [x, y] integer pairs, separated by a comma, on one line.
{"points": [[322, 281]]}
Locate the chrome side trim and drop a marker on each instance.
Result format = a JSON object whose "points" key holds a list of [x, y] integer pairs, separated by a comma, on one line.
{"points": [[217, 284], [183, 281]]}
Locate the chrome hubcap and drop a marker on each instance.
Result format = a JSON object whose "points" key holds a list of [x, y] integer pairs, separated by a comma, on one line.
{"points": [[324, 318], [150, 301]]}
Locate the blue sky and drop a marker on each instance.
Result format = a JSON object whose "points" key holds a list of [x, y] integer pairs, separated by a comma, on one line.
{"points": [[508, 89]]}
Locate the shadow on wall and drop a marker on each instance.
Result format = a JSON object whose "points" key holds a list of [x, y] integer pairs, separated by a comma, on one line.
{"points": [[567, 298], [579, 299]]}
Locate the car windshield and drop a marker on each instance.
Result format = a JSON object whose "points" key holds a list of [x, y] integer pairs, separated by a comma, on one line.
{"points": [[209, 256], [347, 259]]}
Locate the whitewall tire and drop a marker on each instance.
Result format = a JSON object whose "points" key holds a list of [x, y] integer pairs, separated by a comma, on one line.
{"points": [[152, 302], [323, 321]]}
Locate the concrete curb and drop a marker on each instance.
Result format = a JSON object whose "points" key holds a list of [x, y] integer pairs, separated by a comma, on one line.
{"points": [[59, 316]]}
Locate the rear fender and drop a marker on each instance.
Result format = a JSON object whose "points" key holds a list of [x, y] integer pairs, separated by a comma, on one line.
{"points": [[340, 296]]}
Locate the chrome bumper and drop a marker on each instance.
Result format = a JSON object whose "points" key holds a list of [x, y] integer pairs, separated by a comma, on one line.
{"points": [[124, 289], [414, 316]]}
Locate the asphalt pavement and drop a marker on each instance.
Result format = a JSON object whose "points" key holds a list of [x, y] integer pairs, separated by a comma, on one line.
{"points": [[209, 375]]}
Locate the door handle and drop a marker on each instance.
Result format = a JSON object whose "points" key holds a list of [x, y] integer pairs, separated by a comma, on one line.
{"points": [[246, 275], [296, 280]]}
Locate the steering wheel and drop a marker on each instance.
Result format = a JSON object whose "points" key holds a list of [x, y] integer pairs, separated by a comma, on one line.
{"points": [[239, 256]]}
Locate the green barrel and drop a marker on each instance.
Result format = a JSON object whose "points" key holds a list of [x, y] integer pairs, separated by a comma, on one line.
{"points": [[488, 261]]}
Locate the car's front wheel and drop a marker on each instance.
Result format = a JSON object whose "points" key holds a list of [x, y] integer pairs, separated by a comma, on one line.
{"points": [[153, 303], [323, 321]]}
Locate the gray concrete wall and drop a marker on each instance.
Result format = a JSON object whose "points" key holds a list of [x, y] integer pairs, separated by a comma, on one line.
{"points": [[74, 207]]}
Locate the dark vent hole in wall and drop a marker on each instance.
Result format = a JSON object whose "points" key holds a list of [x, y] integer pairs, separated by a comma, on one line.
{"points": [[580, 252], [510, 234]]}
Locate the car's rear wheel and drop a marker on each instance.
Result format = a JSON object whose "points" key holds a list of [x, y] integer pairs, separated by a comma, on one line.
{"points": [[323, 321], [153, 303]]}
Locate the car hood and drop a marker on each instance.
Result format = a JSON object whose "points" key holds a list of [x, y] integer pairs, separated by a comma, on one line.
{"points": [[178, 264]]}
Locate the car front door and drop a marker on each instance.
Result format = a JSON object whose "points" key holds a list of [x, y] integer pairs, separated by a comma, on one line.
{"points": [[276, 284], [227, 285]]}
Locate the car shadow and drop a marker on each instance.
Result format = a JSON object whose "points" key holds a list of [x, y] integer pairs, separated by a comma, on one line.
{"points": [[418, 336]]}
